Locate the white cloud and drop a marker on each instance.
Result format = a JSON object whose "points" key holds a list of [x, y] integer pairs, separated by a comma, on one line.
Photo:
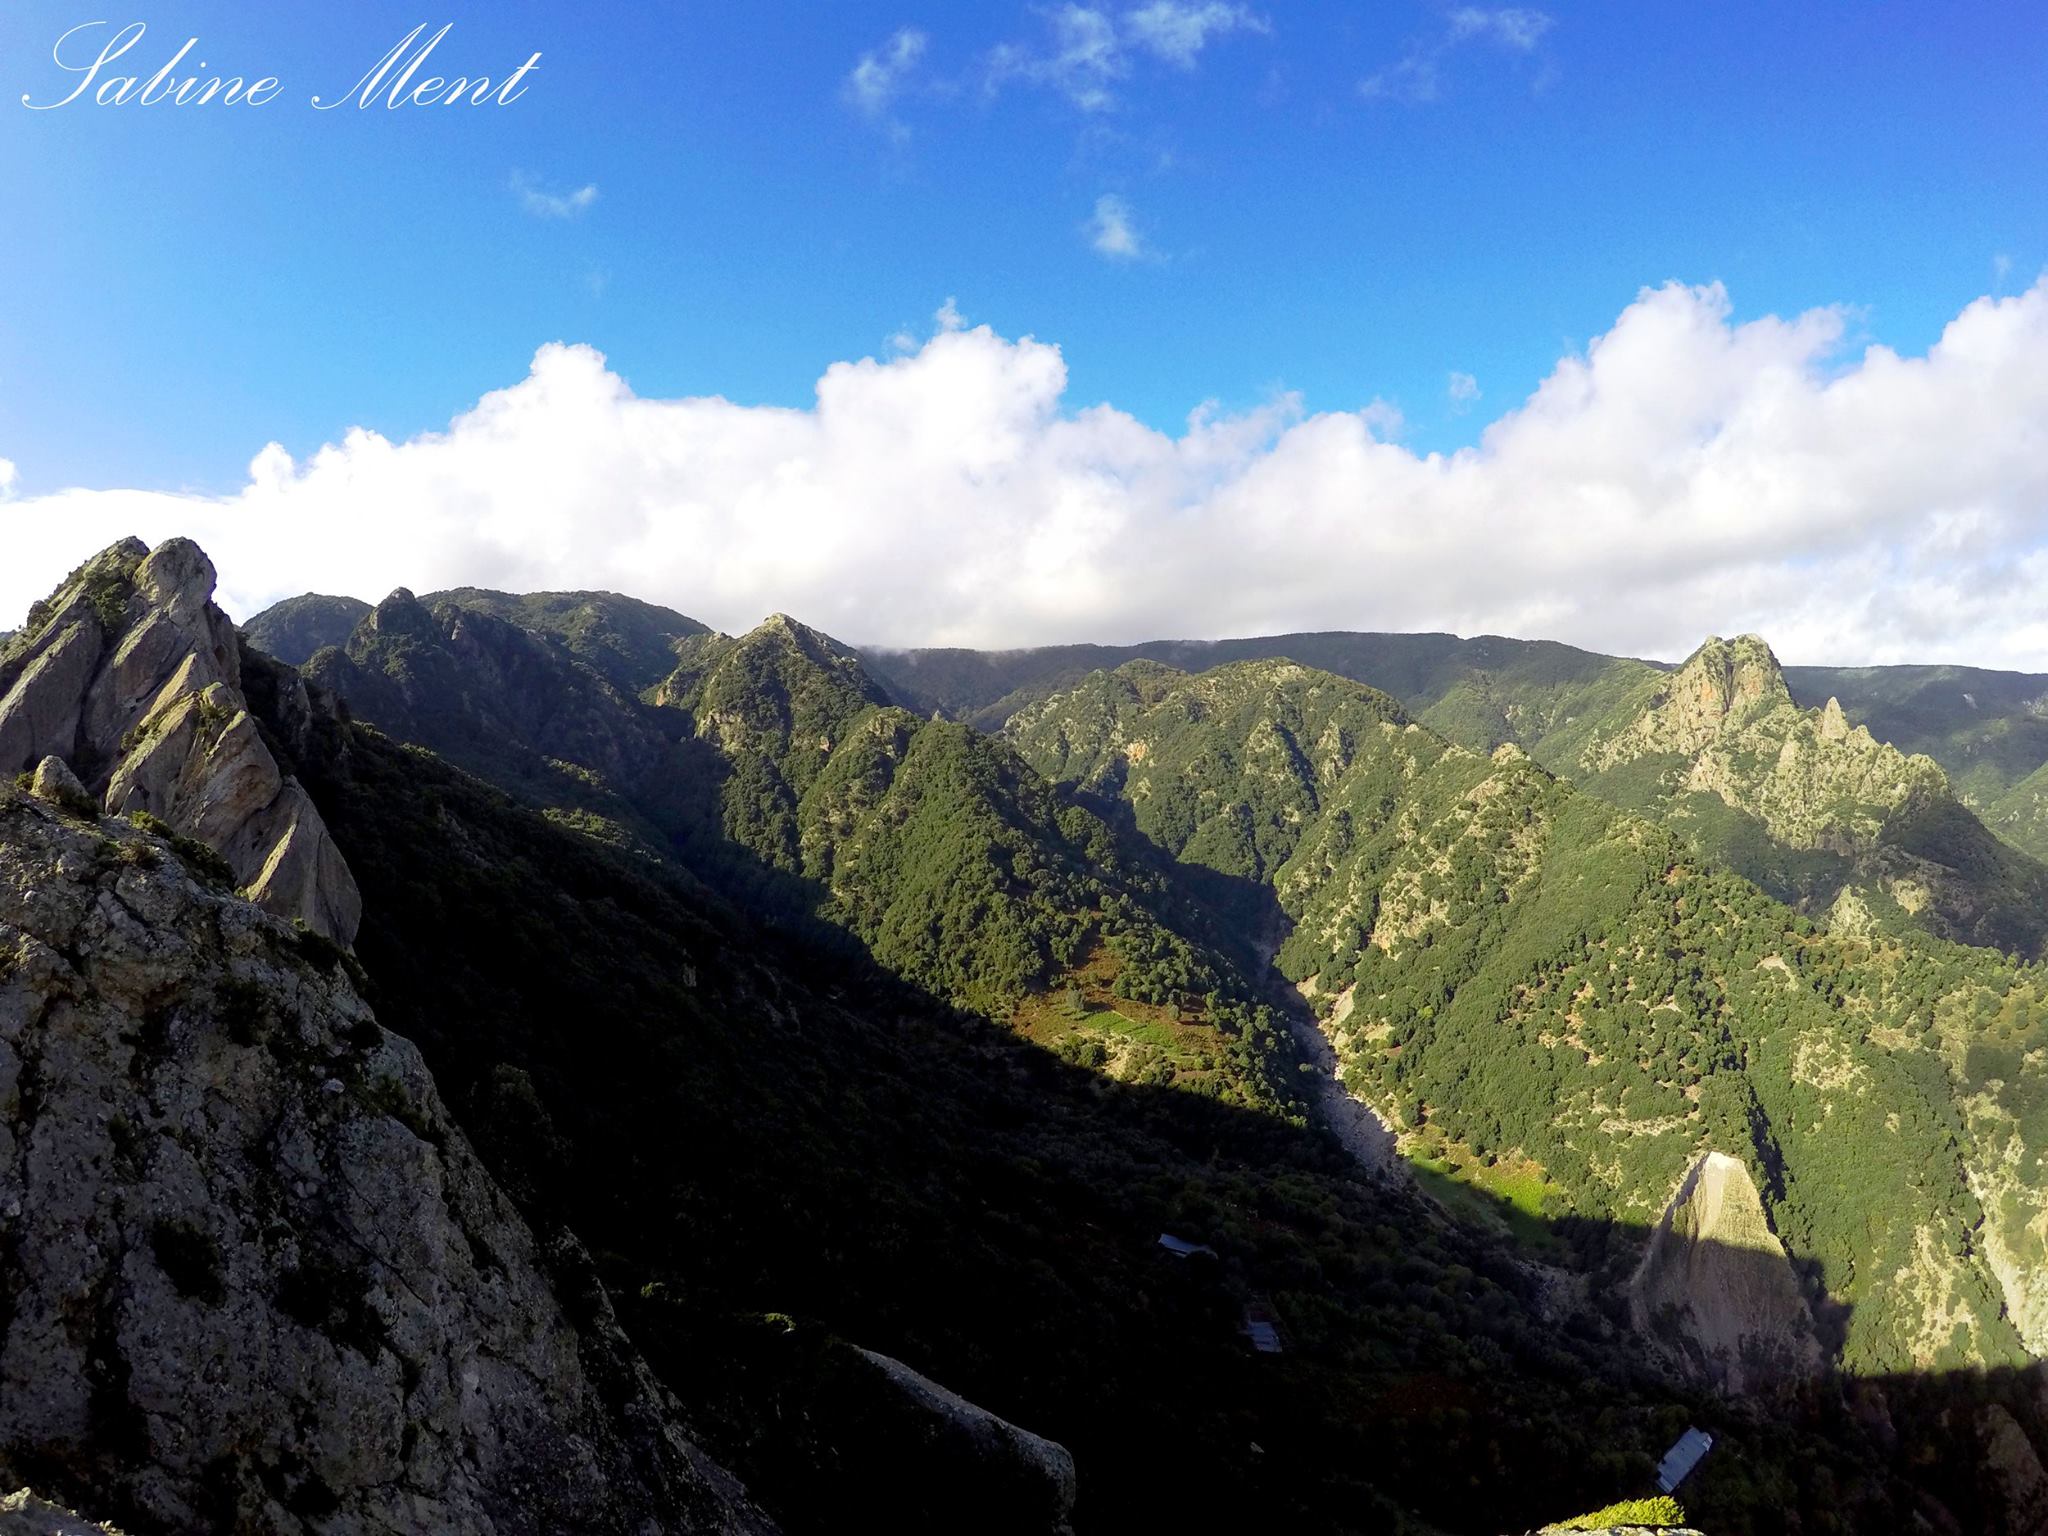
{"points": [[1112, 231], [879, 78], [543, 204], [1089, 52], [1463, 389], [1418, 76], [1083, 63], [8, 475], [1514, 29], [1686, 474], [1178, 31]]}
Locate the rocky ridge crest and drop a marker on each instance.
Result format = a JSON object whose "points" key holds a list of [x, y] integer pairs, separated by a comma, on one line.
{"points": [[131, 676]]}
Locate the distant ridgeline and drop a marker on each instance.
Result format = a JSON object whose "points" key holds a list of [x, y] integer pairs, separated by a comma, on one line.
{"points": [[821, 1022]]}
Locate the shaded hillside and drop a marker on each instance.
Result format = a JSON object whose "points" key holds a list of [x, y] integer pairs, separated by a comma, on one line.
{"points": [[955, 864], [771, 767], [297, 627], [633, 644], [513, 704]]}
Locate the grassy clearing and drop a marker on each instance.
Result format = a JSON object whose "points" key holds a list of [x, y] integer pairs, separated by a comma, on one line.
{"points": [[1083, 1006], [1512, 1192]]}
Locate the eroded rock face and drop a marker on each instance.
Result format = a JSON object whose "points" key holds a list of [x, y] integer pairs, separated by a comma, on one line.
{"points": [[1715, 1284], [252, 1277], [1885, 826], [131, 676]]}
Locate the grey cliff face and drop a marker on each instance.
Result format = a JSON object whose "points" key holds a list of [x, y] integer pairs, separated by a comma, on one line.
{"points": [[252, 1276], [132, 677]]}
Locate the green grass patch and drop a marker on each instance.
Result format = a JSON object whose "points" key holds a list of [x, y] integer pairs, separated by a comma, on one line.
{"points": [[1513, 1194]]}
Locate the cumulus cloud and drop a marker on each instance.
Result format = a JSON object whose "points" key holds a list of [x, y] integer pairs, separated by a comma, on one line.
{"points": [[1418, 76], [1178, 31], [8, 474], [878, 79], [543, 204], [1463, 389], [1113, 232], [1685, 474]]}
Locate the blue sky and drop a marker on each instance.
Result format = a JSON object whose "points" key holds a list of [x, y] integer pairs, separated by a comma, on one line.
{"points": [[188, 285], [1012, 323]]}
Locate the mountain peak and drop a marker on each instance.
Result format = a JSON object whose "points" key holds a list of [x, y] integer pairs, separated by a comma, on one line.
{"points": [[1724, 676], [403, 614]]}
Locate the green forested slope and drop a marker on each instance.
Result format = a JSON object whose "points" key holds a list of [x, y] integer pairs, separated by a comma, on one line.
{"points": [[957, 866], [1530, 972], [1987, 729]]}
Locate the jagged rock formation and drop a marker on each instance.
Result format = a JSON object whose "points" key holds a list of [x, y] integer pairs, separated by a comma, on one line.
{"points": [[131, 676], [254, 1276], [1809, 805], [1714, 1282], [1810, 777]]}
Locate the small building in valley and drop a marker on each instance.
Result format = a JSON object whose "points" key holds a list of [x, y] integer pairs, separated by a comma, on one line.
{"points": [[1689, 1450]]}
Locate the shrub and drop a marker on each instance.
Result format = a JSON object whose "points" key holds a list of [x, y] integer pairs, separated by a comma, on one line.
{"points": [[1661, 1510]]}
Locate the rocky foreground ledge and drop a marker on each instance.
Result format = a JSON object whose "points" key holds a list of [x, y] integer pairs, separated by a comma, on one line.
{"points": [[254, 1277]]}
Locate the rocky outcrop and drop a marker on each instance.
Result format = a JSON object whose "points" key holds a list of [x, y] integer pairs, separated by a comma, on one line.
{"points": [[1812, 779], [1821, 806], [252, 1276], [1714, 1284], [132, 677], [23, 1514], [1037, 1473]]}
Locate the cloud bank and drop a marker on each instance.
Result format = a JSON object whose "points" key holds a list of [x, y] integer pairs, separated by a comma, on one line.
{"points": [[1684, 475]]}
